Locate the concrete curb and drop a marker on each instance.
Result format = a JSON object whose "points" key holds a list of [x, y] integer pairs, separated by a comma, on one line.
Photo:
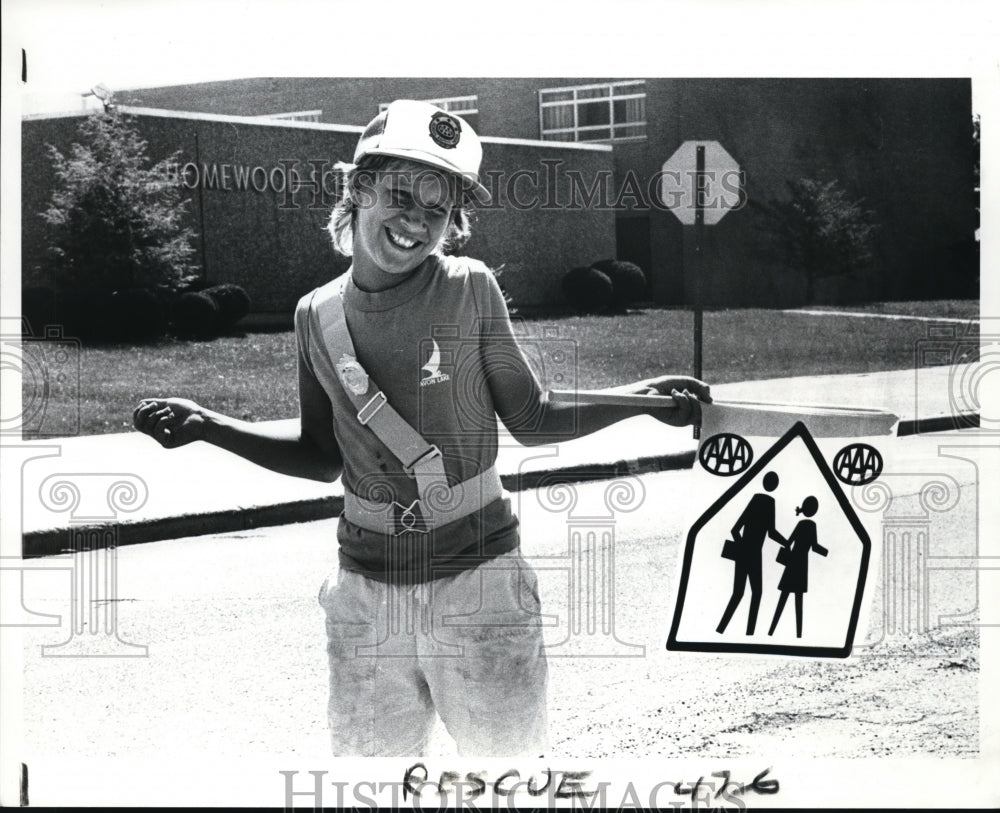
{"points": [[54, 541], [942, 423], [51, 542]]}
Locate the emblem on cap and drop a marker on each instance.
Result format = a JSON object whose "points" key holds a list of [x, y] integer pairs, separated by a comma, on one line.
{"points": [[445, 130], [352, 375]]}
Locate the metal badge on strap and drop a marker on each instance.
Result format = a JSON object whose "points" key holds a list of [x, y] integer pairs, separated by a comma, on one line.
{"points": [[352, 375]]}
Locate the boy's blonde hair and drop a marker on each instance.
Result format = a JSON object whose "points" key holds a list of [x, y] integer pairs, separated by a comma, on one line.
{"points": [[341, 225]]}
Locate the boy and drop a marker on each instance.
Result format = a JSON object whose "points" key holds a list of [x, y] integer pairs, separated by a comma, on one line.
{"points": [[404, 365]]}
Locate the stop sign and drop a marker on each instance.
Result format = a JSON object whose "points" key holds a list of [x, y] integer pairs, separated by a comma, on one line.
{"points": [[721, 182]]}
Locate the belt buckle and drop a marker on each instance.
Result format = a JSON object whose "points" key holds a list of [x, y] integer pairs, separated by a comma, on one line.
{"points": [[368, 411], [408, 518], [431, 453]]}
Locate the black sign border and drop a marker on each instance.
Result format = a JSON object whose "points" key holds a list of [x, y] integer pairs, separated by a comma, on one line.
{"points": [[800, 431]]}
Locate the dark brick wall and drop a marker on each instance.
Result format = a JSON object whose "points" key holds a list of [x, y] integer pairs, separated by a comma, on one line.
{"points": [[274, 243], [903, 145]]}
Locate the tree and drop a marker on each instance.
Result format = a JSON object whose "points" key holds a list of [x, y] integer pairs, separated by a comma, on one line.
{"points": [[821, 230], [117, 222]]}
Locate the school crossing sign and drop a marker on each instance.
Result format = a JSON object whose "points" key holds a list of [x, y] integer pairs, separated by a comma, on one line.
{"points": [[777, 564]]}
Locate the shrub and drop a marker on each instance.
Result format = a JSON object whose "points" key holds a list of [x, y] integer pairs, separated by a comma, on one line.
{"points": [[588, 290], [102, 316], [233, 304], [195, 315], [87, 314], [38, 309], [627, 280], [116, 222], [138, 313], [820, 231]]}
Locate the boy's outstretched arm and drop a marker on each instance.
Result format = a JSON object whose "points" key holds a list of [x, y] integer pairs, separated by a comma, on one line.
{"points": [[523, 406], [310, 451]]}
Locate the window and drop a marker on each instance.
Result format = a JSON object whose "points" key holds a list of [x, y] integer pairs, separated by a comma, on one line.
{"points": [[301, 115], [614, 111], [465, 106]]}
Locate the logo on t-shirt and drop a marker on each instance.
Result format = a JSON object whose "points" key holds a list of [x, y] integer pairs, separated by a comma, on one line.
{"points": [[432, 368]]}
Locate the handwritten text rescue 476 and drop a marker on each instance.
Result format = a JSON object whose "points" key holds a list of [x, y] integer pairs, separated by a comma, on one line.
{"points": [[479, 790]]}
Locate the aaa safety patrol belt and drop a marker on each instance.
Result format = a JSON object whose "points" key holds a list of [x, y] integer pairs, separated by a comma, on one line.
{"points": [[419, 458]]}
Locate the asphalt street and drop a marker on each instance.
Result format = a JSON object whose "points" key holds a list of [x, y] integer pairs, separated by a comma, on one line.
{"points": [[235, 665]]}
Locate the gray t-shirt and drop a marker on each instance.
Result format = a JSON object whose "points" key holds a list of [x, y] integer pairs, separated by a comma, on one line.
{"points": [[422, 342]]}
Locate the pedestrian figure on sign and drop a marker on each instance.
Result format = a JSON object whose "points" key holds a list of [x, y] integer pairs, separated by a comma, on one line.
{"points": [[754, 525], [794, 555]]}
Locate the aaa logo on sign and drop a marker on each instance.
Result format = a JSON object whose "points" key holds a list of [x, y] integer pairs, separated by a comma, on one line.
{"points": [[725, 454], [857, 464]]}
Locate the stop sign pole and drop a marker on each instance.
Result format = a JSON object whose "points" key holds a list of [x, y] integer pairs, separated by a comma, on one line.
{"points": [[696, 186], [700, 181]]}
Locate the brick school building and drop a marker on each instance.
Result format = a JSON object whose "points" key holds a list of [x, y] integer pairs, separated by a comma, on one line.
{"points": [[574, 165]]}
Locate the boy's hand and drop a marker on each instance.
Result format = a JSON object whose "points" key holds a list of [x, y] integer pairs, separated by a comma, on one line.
{"points": [[172, 422], [689, 393], [665, 385]]}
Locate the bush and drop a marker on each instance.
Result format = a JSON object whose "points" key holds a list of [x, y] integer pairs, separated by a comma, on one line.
{"points": [[819, 232], [116, 221], [233, 304], [138, 314], [102, 316], [627, 280], [588, 290], [38, 308], [87, 315], [195, 315]]}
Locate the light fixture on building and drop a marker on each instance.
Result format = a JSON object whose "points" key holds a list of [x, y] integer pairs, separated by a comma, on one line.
{"points": [[102, 92]]}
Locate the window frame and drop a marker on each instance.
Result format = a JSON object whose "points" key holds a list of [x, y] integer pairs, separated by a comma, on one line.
{"points": [[576, 129], [296, 115], [446, 103]]}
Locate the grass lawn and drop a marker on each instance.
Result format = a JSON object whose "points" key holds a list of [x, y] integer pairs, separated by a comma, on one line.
{"points": [[939, 309], [252, 376]]}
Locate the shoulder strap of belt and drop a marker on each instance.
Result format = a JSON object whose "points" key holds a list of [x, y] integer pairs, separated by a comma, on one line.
{"points": [[419, 458]]}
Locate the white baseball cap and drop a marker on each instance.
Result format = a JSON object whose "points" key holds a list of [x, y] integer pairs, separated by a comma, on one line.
{"points": [[421, 132]]}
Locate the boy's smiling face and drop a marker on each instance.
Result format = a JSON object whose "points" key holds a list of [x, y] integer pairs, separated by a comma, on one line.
{"points": [[402, 216]]}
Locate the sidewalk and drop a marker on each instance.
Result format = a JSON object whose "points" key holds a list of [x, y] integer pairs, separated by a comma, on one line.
{"points": [[128, 481]]}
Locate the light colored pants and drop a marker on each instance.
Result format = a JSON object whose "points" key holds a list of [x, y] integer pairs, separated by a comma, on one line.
{"points": [[467, 646]]}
